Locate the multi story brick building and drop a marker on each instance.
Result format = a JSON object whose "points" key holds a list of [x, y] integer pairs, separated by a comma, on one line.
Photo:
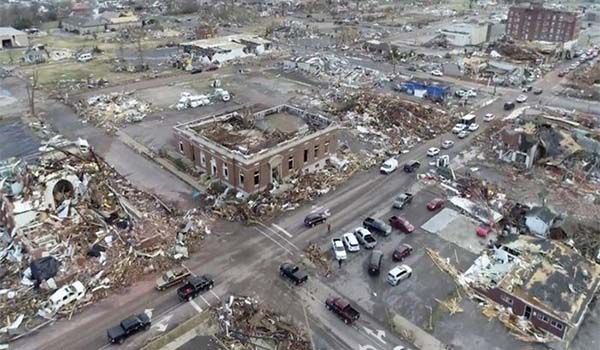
{"points": [[251, 150], [534, 22]]}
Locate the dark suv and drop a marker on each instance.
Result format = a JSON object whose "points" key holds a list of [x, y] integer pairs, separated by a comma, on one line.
{"points": [[314, 219], [401, 252], [375, 262], [376, 225], [411, 166]]}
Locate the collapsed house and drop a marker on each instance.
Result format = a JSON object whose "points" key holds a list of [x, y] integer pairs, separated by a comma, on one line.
{"points": [[226, 48], [249, 151], [541, 283]]}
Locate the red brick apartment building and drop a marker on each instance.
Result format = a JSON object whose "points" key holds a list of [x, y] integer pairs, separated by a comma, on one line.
{"points": [[535, 22]]}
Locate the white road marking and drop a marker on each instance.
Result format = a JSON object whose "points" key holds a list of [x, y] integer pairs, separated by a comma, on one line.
{"points": [[282, 230], [274, 241], [316, 209], [196, 306], [278, 235], [380, 334], [205, 301], [215, 294]]}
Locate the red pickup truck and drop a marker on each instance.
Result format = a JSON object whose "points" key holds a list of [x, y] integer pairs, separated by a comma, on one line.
{"points": [[342, 308]]}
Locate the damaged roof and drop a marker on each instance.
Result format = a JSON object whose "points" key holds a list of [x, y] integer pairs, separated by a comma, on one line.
{"points": [[552, 276], [543, 213]]}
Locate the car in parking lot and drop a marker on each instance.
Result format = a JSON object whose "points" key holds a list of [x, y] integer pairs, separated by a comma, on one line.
{"points": [[435, 204], [338, 249], [293, 273], [401, 252], [350, 242], [471, 93], [398, 273], [489, 117], [411, 166], [313, 219], [378, 226], [509, 105], [483, 230], [437, 73], [447, 144], [365, 237], [433, 151], [522, 98], [537, 91], [402, 200], [458, 128], [473, 127], [463, 134], [375, 261], [401, 224]]}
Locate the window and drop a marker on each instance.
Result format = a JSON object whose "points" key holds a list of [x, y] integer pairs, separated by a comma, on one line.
{"points": [[242, 178], [543, 317], [305, 155], [506, 299], [291, 163], [225, 172], [181, 147], [256, 178], [326, 147], [316, 151], [556, 325], [202, 159]]}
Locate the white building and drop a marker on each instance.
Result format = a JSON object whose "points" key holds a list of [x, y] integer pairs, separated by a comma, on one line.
{"points": [[465, 34], [226, 48]]}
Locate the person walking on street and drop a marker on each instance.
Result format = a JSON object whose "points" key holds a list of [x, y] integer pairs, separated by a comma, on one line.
{"points": [[340, 263], [328, 228]]}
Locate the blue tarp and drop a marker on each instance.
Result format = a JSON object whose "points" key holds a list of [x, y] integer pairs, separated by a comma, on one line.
{"points": [[433, 91]]}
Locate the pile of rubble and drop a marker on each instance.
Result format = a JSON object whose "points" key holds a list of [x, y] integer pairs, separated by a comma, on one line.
{"points": [[72, 230], [394, 123], [298, 189], [247, 325], [112, 110], [318, 257]]}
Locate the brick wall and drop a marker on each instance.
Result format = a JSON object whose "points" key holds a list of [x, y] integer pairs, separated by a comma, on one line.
{"points": [[537, 23]]}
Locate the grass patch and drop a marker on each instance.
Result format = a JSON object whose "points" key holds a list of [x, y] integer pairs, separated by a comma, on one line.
{"points": [[15, 53]]}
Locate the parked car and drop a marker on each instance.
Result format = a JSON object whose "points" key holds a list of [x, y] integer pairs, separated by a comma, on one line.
{"points": [[128, 327], [411, 166], [489, 117], [342, 308], [85, 57], [460, 93], [365, 237], [433, 151], [538, 91], [171, 278], [350, 242], [483, 230], [447, 144], [522, 98], [389, 166], [562, 73], [398, 273], [313, 219], [375, 262], [508, 106], [435, 204], [401, 252], [527, 88], [402, 200], [458, 128], [194, 286], [339, 251], [293, 273], [437, 73], [471, 93], [376, 225], [196, 70], [473, 127], [401, 224], [463, 134]]}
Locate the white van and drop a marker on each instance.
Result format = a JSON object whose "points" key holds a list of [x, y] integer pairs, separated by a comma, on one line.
{"points": [[84, 57], [66, 295], [389, 166]]}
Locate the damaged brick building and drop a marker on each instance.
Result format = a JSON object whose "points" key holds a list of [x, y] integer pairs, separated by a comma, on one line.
{"points": [[543, 282], [250, 150]]}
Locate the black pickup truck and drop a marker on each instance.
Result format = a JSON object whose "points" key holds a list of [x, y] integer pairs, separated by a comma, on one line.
{"points": [[128, 327], [293, 272], [193, 286], [342, 308]]}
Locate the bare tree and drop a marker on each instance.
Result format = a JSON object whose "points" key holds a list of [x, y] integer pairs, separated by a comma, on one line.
{"points": [[31, 85], [139, 37]]}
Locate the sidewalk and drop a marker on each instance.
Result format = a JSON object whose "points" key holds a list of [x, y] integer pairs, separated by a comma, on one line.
{"points": [[422, 339], [164, 163]]}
